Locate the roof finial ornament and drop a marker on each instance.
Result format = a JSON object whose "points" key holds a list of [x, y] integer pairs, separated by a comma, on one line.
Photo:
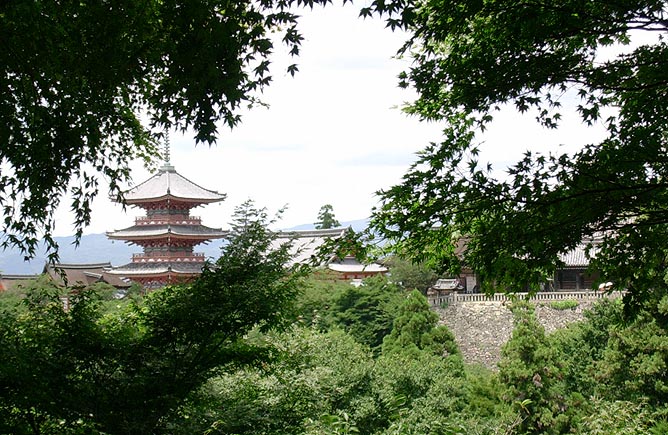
{"points": [[167, 149], [167, 166]]}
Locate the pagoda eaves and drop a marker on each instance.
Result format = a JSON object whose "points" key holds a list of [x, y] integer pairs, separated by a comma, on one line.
{"points": [[167, 184], [196, 233]]}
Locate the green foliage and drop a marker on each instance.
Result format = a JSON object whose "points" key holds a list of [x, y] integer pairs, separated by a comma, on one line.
{"points": [[581, 346], [411, 276], [618, 364], [531, 372], [78, 76], [485, 392], [126, 371], [617, 418], [367, 312], [326, 219], [415, 329], [108, 297], [338, 424], [603, 62], [312, 374], [313, 306], [637, 263], [326, 383], [12, 299], [370, 312], [634, 363], [420, 393], [566, 304]]}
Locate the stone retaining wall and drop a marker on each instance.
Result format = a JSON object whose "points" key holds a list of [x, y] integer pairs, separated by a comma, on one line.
{"points": [[481, 326]]}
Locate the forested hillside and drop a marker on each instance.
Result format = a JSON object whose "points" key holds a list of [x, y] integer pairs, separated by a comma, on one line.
{"points": [[254, 348]]}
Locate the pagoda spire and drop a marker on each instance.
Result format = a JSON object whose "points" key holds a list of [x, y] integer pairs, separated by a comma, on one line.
{"points": [[167, 165], [167, 149]]}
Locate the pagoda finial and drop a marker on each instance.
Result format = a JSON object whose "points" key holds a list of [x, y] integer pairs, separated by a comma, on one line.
{"points": [[167, 166], [167, 148]]}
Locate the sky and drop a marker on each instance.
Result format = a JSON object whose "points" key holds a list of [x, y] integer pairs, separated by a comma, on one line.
{"points": [[333, 134]]}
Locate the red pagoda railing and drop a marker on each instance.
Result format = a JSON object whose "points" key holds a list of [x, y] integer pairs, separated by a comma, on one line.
{"points": [[168, 220], [164, 257]]}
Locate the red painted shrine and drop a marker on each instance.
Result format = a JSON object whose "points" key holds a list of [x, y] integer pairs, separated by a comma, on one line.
{"points": [[168, 233]]}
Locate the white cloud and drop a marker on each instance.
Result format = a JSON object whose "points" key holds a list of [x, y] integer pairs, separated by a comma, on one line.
{"points": [[332, 134]]}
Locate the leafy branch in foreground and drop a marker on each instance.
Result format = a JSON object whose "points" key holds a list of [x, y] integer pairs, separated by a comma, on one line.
{"points": [[77, 78], [543, 59], [128, 371]]}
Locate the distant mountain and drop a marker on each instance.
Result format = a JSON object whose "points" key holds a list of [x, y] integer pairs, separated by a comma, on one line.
{"points": [[94, 248], [97, 248]]}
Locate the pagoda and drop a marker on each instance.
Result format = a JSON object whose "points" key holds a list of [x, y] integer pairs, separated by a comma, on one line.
{"points": [[168, 233]]}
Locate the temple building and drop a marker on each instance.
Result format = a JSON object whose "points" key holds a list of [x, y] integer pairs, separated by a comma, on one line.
{"points": [[168, 233], [305, 247], [73, 275]]}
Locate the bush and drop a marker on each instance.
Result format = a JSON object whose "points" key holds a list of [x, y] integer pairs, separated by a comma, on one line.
{"points": [[416, 329], [366, 312], [530, 370], [566, 304], [617, 418]]}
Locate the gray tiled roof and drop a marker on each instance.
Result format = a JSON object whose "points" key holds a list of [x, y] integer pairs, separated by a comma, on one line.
{"points": [[301, 234], [157, 231], [83, 274], [446, 284], [305, 243], [8, 282], [169, 183], [577, 257]]}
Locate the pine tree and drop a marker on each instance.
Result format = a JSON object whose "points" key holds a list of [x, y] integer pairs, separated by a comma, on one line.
{"points": [[326, 218]]}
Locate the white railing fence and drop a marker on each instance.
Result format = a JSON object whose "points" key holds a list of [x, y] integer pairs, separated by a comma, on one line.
{"points": [[440, 300]]}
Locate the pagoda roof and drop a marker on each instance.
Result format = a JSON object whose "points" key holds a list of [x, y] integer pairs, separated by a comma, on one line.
{"points": [[142, 232], [157, 269], [169, 184]]}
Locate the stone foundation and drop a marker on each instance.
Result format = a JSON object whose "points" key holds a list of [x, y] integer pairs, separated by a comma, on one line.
{"points": [[482, 327]]}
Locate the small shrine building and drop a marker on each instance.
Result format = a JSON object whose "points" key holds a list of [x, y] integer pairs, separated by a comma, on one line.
{"points": [[168, 233]]}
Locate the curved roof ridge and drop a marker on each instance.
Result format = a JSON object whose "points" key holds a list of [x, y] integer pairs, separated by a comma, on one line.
{"points": [[203, 188], [201, 234], [329, 232], [80, 265], [167, 182]]}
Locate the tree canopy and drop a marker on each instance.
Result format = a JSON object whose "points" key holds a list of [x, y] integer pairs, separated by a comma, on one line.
{"points": [[607, 63], [326, 218], [85, 88], [127, 370]]}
